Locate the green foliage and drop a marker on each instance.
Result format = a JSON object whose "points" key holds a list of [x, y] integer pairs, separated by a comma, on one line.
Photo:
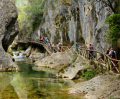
{"points": [[30, 15], [111, 97], [113, 34], [98, 70], [89, 74]]}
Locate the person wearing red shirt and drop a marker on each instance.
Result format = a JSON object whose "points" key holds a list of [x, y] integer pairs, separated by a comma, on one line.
{"points": [[90, 52], [60, 49]]}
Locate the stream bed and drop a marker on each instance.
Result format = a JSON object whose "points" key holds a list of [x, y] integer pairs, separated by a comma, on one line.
{"points": [[34, 83]]}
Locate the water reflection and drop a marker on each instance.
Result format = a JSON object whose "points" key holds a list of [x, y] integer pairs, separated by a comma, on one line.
{"points": [[29, 84], [5, 79]]}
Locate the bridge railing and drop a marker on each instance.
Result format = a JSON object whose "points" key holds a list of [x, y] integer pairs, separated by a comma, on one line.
{"points": [[96, 55]]}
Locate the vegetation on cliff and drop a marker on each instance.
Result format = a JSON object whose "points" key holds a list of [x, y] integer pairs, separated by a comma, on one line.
{"points": [[30, 15], [113, 34]]}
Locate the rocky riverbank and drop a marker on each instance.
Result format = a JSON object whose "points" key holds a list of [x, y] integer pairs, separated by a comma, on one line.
{"points": [[100, 87], [103, 86]]}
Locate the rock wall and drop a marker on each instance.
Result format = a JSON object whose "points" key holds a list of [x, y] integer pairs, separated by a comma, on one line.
{"points": [[78, 21], [8, 31]]}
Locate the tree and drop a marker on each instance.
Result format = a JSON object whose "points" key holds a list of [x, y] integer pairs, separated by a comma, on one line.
{"points": [[30, 15], [113, 34]]}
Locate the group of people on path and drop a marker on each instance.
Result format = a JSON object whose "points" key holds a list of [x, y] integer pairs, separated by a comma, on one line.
{"points": [[110, 52], [52, 45], [46, 39], [90, 48], [78, 46]]}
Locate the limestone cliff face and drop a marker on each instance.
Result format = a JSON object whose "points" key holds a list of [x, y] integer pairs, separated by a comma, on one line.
{"points": [[75, 20], [8, 31]]}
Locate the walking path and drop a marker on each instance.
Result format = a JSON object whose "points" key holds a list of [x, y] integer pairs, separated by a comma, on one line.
{"points": [[100, 57]]}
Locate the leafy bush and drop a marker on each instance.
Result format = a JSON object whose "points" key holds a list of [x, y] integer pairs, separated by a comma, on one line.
{"points": [[111, 97], [89, 74], [113, 34]]}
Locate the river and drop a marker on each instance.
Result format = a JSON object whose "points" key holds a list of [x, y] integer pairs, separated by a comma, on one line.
{"points": [[34, 83]]}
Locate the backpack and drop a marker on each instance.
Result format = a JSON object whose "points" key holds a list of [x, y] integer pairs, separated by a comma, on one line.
{"points": [[91, 48], [112, 54]]}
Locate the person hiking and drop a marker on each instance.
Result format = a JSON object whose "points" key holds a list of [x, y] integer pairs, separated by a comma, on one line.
{"points": [[48, 43], [108, 50], [60, 49], [90, 52], [112, 54], [45, 39], [42, 38]]}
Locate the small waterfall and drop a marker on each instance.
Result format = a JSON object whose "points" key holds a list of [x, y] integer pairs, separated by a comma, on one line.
{"points": [[18, 56]]}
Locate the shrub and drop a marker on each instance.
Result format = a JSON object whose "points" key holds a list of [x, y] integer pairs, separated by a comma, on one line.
{"points": [[89, 74], [113, 34]]}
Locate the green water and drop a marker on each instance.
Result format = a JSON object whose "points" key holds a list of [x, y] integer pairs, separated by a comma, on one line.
{"points": [[34, 83]]}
